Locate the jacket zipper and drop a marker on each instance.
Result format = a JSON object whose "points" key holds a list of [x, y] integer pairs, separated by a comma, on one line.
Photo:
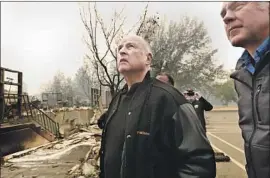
{"points": [[257, 102], [254, 97], [253, 132]]}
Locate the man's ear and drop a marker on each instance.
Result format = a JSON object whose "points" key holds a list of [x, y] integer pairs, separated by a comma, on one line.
{"points": [[149, 58]]}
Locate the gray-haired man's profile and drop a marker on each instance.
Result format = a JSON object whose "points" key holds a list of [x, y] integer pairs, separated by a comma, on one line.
{"points": [[150, 130]]}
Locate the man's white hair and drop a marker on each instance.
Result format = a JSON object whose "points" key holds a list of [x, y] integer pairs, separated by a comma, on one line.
{"points": [[145, 44]]}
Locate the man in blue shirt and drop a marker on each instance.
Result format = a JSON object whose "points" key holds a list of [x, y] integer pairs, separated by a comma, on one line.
{"points": [[247, 26]]}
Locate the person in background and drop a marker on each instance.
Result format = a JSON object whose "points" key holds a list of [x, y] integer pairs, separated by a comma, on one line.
{"points": [[247, 26], [166, 78], [101, 121], [199, 103]]}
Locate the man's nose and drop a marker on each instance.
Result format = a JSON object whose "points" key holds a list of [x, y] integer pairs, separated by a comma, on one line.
{"points": [[122, 51], [229, 17]]}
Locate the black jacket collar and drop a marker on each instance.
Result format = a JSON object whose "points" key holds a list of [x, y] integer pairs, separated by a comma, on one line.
{"points": [[134, 86]]}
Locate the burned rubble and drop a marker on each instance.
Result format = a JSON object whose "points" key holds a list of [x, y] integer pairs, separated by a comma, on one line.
{"points": [[58, 153]]}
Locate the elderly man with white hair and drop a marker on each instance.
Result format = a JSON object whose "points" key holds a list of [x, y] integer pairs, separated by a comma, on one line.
{"points": [[150, 130], [247, 26]]}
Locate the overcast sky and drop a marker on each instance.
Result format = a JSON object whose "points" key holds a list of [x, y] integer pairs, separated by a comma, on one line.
{"points": [[41, 38]]}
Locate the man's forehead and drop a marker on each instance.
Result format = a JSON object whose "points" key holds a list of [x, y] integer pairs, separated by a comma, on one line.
{"points": [[226, 5]]}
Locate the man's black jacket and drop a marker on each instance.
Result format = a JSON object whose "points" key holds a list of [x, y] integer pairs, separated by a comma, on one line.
{"points": [[164, 138], [200, 106]]}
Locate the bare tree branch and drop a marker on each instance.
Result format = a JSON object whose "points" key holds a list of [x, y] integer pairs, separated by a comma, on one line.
{"points": [[97, 73], [110, 33], [143, 20], [115, 31]]}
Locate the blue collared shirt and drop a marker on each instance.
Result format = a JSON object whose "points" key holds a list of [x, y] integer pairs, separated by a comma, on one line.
{"points": [[259, 53]]}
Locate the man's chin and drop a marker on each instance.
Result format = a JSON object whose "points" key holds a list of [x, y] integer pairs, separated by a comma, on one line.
{"points": [[237, 41], [123, 70]]}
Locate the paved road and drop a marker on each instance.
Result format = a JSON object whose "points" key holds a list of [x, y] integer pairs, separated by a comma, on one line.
{"points": [[225, 136]]}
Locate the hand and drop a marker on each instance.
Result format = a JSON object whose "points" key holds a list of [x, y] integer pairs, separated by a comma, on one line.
{"points": [[197, 95]]}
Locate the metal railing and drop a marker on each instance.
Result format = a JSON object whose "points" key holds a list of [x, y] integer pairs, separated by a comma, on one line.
{"points": [[45, 121], [31, 112]]}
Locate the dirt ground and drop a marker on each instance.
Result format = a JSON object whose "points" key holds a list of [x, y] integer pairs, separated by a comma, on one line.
{"points": [[223, 133]]}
